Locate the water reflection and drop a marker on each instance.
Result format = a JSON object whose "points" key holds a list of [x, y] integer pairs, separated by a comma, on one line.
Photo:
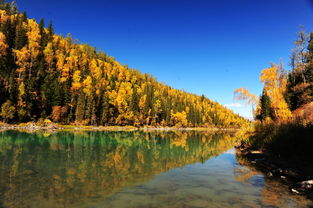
{"points": [[64, 169], [129, 169]]}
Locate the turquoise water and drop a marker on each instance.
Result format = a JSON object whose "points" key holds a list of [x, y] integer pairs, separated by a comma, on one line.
{"points": [[132, 169]]}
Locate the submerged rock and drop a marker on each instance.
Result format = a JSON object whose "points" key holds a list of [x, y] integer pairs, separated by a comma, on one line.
{"points": [[302, 187], [306, 184], [277, 172], [270, 174], [295, 191]]}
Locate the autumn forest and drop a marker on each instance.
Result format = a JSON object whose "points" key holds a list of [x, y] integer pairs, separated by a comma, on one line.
{"points": [[47, 76], [80, 128]]}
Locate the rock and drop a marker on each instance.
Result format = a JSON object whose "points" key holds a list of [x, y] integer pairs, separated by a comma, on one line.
{"points": [[295, 191], [303, 187], [277, 171], [256, 152], [306, 184]]}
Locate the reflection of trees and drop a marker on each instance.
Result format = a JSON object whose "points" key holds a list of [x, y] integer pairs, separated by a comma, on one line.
{"points": [[273, 193], [64, 168], [243, 173]]}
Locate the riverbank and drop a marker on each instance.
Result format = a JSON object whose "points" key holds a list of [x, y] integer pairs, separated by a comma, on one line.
{"points": [[32, 126], [282, 151], [295, 172]]}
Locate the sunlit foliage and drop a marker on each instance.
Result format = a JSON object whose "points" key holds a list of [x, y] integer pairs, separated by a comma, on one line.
{"points": [[51, 77]]}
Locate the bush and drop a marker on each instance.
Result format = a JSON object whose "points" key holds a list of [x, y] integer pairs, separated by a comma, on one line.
{"points": [[7, 111], [284, 139]]}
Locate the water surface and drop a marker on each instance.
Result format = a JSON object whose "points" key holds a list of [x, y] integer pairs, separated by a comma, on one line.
{"points": [[132, 169]]}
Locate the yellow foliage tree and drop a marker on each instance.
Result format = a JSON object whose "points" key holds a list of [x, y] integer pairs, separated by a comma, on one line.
{"points": [[245, 94], [49, 54], [22, 60], [275, 81], [3, 45], [21, 93], [88, 85], [34, 38], [76, 85], [179, 119]]}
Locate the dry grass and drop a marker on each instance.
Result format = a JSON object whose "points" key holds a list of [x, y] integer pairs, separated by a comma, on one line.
{"points": [[304, 115]]}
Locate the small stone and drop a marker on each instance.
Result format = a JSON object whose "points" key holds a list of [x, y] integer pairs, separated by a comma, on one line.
{"points": [[295, 191], [256, 152], [277, 171]]}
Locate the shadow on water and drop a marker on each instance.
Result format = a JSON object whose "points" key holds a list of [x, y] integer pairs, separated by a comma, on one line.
{"points": [[131, 169], [274, 192]]}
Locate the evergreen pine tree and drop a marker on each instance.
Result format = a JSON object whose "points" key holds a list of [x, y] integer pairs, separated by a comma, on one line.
{"points": [[266, 110]]}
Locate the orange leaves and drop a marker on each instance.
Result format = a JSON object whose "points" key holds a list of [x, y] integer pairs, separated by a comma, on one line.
{"points": [[58, 112], [304, 115], [3, 16], [3, 45]]}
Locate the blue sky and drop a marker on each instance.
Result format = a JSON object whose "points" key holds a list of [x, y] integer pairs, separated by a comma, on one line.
{"points": [[208, 47]]}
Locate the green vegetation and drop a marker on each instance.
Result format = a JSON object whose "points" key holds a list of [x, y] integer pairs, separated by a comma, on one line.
{"points": [[45, 76], [284, 113]]}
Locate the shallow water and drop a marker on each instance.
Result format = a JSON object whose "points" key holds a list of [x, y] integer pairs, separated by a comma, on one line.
{"points": [[132, 169]]}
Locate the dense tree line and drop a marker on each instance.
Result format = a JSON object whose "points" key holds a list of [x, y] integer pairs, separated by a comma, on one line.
{"points": [[285, 93], [44, 75], [300, 80]]}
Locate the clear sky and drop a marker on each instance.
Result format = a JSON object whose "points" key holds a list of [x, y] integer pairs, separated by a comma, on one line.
{"points": [[208, 47]]}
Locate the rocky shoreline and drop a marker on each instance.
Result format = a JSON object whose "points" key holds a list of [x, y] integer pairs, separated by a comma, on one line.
{"points": [[296, 173], [32, 126]]}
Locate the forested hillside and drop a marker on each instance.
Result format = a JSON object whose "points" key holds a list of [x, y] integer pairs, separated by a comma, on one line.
{"points": [[47, 76]]}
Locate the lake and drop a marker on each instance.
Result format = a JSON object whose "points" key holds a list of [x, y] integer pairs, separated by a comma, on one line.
{"points": [[132, 169]]}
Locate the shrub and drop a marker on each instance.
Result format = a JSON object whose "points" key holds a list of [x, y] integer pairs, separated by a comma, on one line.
{"points": [[7, 111]]}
